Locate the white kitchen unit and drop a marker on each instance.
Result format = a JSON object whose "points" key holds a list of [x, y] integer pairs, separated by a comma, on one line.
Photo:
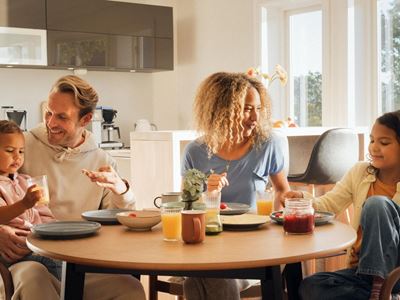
{"points": [[156, 157], [155, 164], [123, 160]]}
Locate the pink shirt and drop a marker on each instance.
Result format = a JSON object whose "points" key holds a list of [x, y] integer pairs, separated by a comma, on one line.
{"points": [[14, 190]]}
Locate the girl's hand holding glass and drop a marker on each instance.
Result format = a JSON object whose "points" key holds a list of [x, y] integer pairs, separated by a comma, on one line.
{"points": [[32, 196], [217, 182]]}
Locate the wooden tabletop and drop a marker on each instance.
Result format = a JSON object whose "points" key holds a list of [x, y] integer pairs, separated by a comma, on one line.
{"points": [[116, 247]]}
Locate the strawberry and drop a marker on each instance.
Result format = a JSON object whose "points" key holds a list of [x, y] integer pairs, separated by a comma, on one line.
{"points": [[223, 205]]}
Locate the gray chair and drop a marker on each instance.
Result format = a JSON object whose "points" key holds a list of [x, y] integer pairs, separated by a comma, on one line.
{"points": [[334, 153]]}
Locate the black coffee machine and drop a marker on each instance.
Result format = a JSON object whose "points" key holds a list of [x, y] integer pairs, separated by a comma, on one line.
{"points": [[109, 129]]}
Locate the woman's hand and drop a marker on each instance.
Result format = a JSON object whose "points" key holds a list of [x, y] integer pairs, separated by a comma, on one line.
{"points": [[108, 178], [217, 182], [291, 194], [13, 243]]}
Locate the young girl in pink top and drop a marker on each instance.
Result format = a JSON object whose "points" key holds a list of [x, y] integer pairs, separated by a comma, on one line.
{"points": [[18, 202]]}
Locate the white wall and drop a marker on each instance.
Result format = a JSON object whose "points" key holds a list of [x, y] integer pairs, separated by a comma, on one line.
{"points": [[210, 36], [131, 94]]}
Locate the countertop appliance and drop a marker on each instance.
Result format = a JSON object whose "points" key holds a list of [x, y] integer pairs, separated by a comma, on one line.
{"points": [[17, 115], [109, 129]]}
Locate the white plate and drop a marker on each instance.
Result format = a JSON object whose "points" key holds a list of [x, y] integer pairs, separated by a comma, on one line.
{"points": [[103, 216], [234, 209], [243, 222], [66, 229]]}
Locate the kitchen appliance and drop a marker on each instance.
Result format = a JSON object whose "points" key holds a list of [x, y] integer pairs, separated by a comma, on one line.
{"points": [[95, 126], [144, 125], [109, 129], [17, 115]]}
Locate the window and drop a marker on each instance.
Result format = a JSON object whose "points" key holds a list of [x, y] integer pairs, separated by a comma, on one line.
{"points": [[388, 55], [305, 58]]}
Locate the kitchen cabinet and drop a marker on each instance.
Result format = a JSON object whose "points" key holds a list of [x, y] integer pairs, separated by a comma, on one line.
{"points": [[109, 17], [123, 159], [23, 14]]}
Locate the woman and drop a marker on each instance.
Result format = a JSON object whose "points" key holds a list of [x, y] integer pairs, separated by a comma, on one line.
{"points": [[237, 150]]}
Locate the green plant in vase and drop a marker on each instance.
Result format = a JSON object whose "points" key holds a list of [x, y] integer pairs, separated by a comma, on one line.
{"points": [[193, 186]]}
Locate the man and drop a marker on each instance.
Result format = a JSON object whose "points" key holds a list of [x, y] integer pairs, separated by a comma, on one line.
{"points": [[67, 153]]}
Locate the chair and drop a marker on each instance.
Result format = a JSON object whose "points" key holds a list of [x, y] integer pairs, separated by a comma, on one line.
{"points": [[334, 153], [175, 287], [389, 283], [7, 280]]}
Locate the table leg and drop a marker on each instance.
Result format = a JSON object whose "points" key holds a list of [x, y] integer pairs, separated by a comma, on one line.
{"points": [[293, 276], [72, 282], [271, 287]]}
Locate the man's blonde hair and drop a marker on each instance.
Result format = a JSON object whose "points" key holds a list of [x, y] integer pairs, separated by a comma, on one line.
{"points": [[85, 97], [219, 105]]}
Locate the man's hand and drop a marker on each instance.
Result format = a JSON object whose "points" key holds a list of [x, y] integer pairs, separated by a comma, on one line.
{"points": [[13, 243], [217, 182], [107, 177]]}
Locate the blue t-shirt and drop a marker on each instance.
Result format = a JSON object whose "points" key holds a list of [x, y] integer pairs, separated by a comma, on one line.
{"points": [[246, 175]]}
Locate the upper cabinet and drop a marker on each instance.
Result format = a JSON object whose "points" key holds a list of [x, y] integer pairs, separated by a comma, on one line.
{"points": [[96, 34], [109, 17], [23, 14]]}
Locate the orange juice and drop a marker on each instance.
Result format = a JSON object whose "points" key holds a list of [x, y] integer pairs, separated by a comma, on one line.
{"points": [[171, 226], [264, 207], [211, 214]]}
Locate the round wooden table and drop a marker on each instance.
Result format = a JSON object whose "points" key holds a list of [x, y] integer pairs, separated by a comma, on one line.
{"points": [[254, 254]]}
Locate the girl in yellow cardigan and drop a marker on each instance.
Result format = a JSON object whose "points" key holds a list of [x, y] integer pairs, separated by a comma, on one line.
{"points": [[374, 189]]}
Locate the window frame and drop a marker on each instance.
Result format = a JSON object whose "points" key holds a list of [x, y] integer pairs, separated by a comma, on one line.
{"points": [[337, 99]]}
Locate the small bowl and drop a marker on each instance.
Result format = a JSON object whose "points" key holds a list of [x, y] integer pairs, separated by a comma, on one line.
{"points": [[139, 220]]}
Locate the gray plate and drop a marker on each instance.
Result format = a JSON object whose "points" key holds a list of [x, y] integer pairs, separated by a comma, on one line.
{"points": [[235, 209], [66, 229], [321, 217], [103, 216]]}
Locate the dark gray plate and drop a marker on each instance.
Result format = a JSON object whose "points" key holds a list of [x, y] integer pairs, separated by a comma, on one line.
{"points": [[103, 216], [66, 229], [235, 209], [321, 217]]}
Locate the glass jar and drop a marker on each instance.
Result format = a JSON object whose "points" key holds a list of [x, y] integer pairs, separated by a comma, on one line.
{"points": [[298, 216]]}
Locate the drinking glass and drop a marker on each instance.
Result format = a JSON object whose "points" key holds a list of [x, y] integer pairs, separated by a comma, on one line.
{"points": [[41, 182], [213, 221], [265, 202], [171, 220]]}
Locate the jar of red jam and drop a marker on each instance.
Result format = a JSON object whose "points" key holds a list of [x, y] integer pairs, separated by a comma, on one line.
{"points": [[298, 216]]}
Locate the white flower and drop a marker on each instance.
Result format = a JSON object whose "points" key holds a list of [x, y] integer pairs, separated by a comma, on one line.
{"points": [[279, 72]]}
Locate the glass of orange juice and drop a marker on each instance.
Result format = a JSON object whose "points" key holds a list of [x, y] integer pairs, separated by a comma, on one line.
{"points": [[171, 220], [265, 202]]}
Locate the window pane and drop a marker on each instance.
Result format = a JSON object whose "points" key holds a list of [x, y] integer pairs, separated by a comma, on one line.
{"points": [[389, 54], [306, 67]]}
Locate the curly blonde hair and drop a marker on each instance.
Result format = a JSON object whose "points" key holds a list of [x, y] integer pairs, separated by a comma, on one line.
{"points": [[218, 110]]}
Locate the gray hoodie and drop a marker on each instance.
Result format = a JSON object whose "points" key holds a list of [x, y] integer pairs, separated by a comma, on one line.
{"points": [[71, 192]]}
